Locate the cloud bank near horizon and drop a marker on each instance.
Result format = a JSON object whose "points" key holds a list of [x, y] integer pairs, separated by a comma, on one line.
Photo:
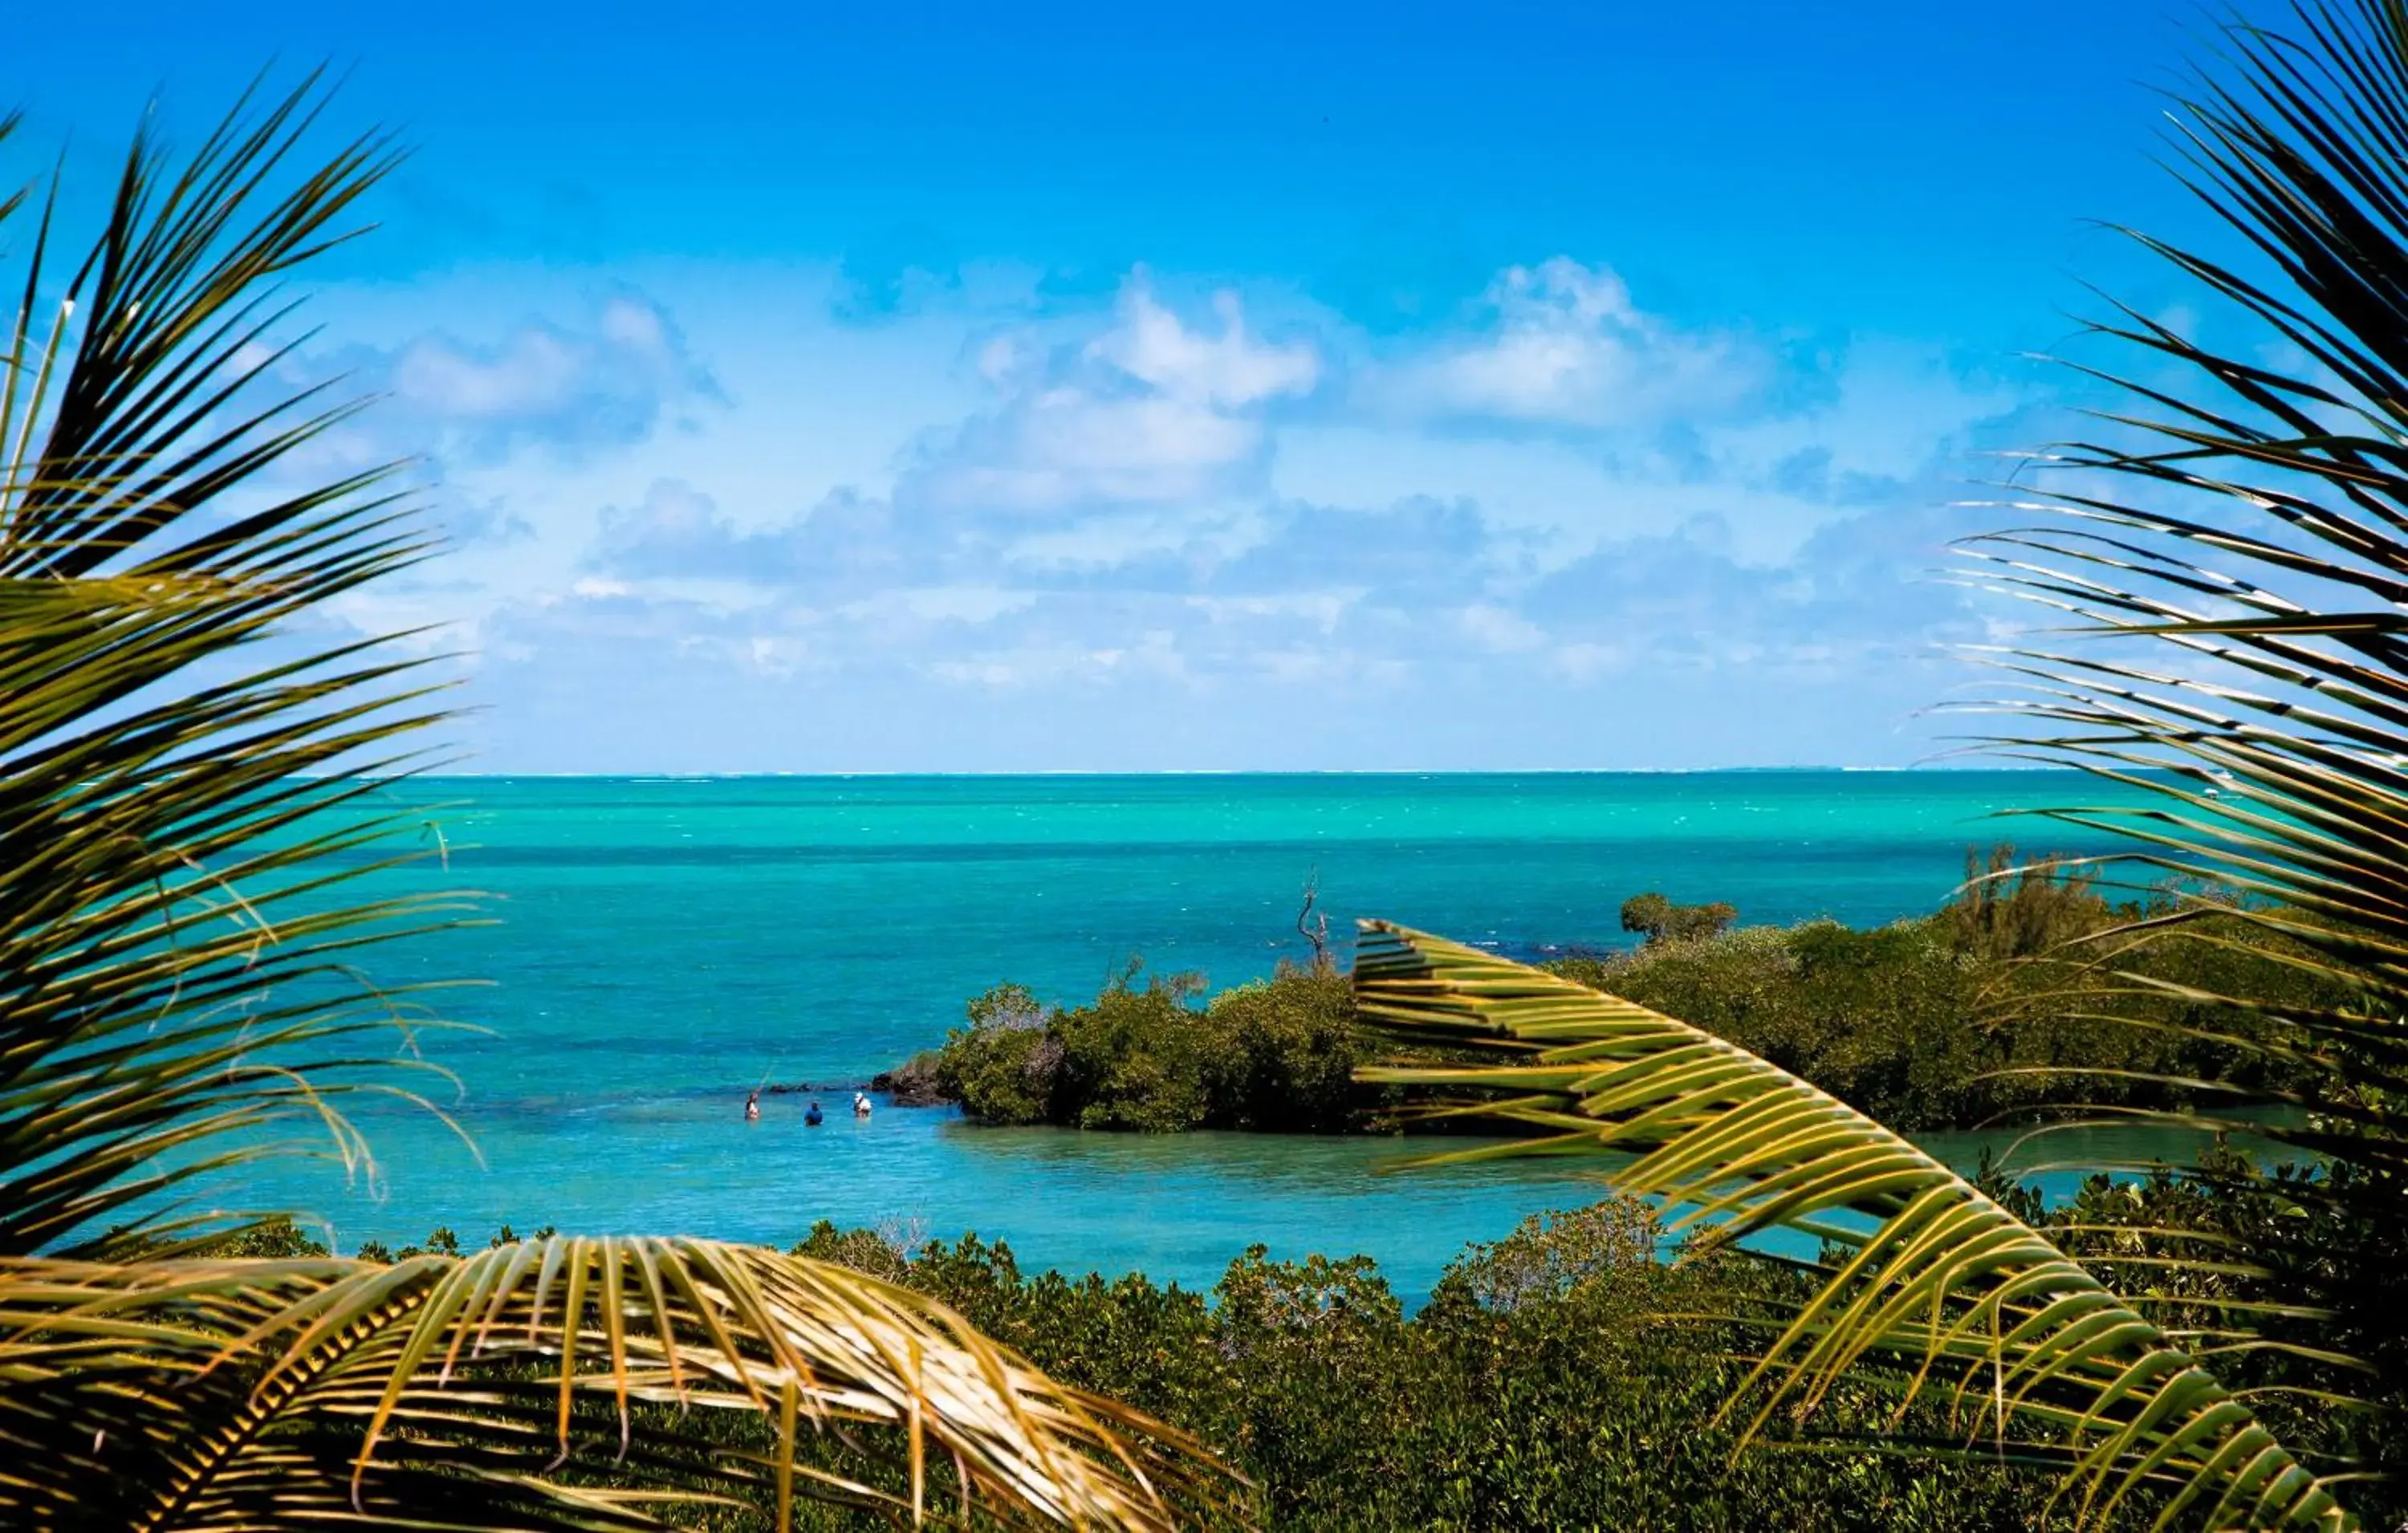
{"points": [[744, 519]]}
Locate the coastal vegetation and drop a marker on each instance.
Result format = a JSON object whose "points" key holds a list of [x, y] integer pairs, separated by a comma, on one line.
{"points": [[1657, 919], [1969, 1017], [1984, 1013], [1149, 1053], [1540, 1385], [1566, 1376]]}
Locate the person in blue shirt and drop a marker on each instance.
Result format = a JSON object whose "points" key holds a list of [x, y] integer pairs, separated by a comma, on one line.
{"points": [[812, 1119]]}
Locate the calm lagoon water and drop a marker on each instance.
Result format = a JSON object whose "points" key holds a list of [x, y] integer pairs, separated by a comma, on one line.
{"points": [[662, 946]]}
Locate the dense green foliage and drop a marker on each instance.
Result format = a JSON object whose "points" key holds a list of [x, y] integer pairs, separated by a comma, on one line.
{"points": [[1535, 1390], [1549, 1383], [2315, 1256], [1994, 1007], [1540, 1387], [1550, 1380], [1657, 919], [1980, 1012], [1277, 1055]]}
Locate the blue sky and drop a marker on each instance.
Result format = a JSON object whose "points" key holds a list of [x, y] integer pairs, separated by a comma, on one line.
{"points": [[979, 388]]}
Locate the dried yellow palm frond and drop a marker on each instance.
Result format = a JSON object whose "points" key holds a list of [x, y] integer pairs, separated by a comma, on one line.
{"points": [[550, 1384]]}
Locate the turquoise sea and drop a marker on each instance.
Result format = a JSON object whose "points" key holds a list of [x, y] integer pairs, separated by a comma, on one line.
{"points": [[662, 946]]}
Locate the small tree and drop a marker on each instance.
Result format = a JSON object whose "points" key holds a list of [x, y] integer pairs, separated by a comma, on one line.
{"points": [[1314, 925], [1659, 920]]}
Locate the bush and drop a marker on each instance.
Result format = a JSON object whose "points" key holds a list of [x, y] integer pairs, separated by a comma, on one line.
{"points": [[277, 1239], [1977, 1014], [1001, 1068], [1545, 1385], [1278, 1054], [1539, 1388], [1973, 1014], [1293, 1049], [2045, 905], [2326, 1272], [1138, 1058], [1659, 920]]}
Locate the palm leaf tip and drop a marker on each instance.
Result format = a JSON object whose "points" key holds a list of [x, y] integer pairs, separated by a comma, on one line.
{"points": [[1926, 1283]]}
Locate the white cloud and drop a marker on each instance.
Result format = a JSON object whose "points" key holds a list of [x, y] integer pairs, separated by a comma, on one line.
{"points": [[1230, 369], [1587, 662], [775, 654], [970, 604], [607, 381], [1064, 446], [1500, 630], [1565, 345], [1885, 409], [534, 370], [1152, 657], [1149, 411], [994, 529]]}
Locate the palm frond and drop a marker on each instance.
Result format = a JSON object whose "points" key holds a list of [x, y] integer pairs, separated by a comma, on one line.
{"points": [[1925, 1274], [2227, 559], [556, 1383], [2249, 525], [190, 795], [182, 811]]}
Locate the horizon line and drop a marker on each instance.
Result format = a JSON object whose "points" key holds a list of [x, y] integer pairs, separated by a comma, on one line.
{"points": [[656, 775]]}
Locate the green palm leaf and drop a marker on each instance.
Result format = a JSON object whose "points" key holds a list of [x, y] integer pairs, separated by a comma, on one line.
{"points": [[1927, 1276], [2228, 563], [181, 818], [2229, 559], [190, 796]]}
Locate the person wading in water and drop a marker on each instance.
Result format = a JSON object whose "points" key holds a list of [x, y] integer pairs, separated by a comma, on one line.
{"points": [[753, 1108], [812, 1119]]}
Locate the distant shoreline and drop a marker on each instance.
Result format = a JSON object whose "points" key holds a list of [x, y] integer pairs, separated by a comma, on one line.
{"points": [[1424, 773]]}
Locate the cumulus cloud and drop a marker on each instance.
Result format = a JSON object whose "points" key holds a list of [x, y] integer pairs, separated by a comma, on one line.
{"points": [[1562, 344], [674, 530], [1855, 596], [611, 379], [1563, 501], [1420, 589], [467, 519], [1879, 414], [1292, 591], [1320, 618], [1154, 409], [1231, 370]]}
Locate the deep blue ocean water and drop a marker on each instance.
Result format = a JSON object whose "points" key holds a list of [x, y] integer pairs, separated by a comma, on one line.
{"points": [[662, 946]]}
